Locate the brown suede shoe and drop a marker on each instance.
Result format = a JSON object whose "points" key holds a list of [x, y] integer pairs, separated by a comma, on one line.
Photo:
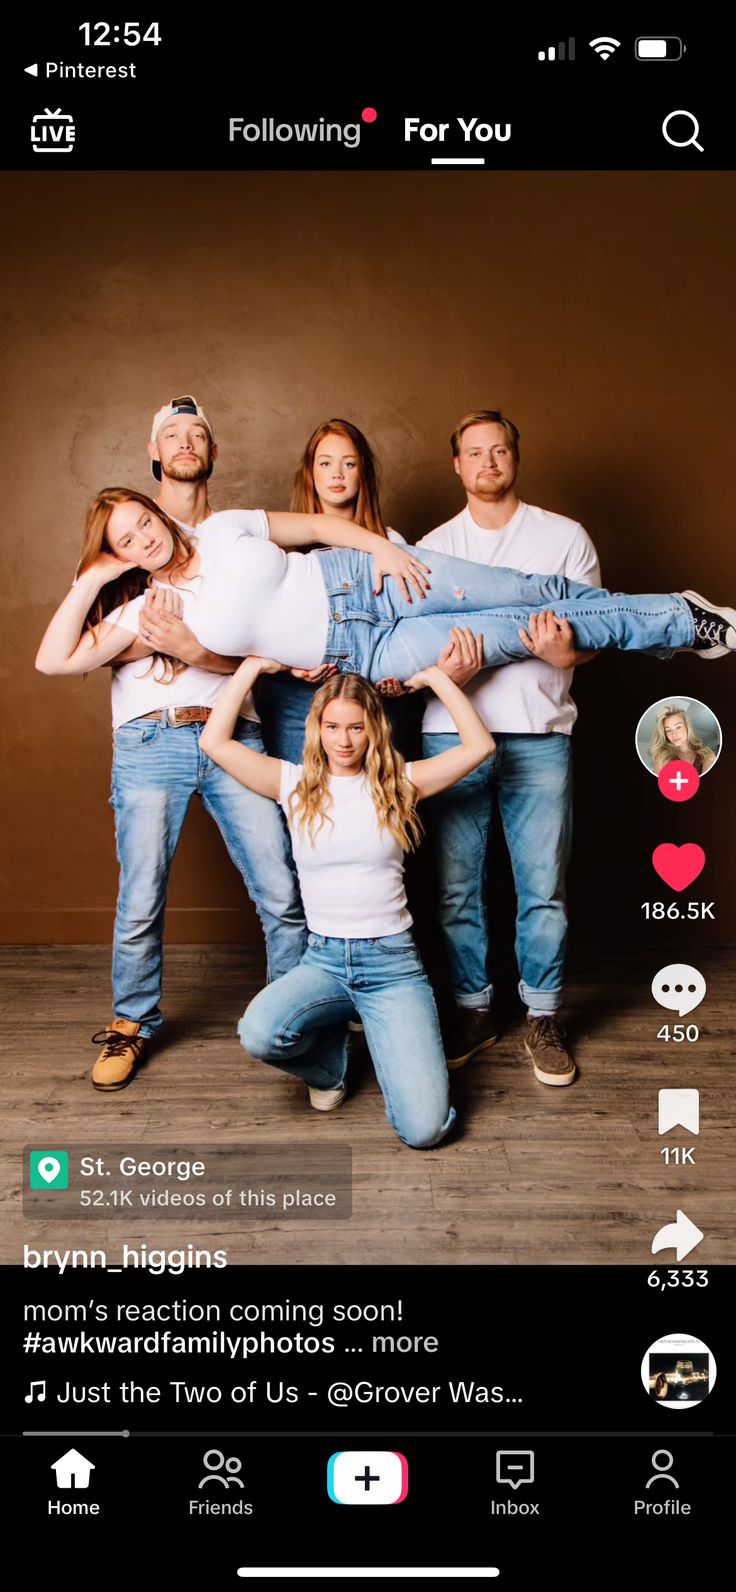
{"points": [[120, 1054], [471, 1031], [551, 1060]]}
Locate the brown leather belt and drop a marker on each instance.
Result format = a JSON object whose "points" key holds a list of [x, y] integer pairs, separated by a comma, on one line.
{"points": [[176, 717]]}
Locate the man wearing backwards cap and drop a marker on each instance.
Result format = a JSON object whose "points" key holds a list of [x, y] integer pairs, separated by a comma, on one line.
{"points": [[158, 766], [189, 409]]}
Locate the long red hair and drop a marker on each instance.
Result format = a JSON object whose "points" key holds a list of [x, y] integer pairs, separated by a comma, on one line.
{"points": [[134, 581], [304, 499]]}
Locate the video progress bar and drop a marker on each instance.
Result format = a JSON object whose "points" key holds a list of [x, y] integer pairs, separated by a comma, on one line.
{"points": [[221, 1432], [364, 1572], [449, 160]]}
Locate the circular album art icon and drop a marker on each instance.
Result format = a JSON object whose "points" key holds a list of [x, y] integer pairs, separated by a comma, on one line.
{"points": [[678, 1372]]}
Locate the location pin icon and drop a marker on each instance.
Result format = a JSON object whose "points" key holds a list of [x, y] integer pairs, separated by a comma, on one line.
{"points": [[49, 1168]]}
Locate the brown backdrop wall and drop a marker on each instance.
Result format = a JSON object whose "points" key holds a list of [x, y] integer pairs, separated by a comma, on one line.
{"points": [[595, 309]]}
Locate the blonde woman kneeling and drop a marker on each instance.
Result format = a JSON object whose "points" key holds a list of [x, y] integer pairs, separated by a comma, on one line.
{"points": [[351, 811]]}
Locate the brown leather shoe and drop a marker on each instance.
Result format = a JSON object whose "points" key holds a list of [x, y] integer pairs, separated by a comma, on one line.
{"points": [[471, 1031], [551, 1060], [121, 1051]]}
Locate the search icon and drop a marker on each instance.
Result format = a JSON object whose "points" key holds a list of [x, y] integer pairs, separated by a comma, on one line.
{"points": [[683, 143]]}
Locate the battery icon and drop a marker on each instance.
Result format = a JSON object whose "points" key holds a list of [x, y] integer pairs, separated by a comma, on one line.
{"points": [[663, 49]]}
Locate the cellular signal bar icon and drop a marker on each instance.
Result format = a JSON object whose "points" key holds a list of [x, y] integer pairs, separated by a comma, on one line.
{"points": [[558, 52]]}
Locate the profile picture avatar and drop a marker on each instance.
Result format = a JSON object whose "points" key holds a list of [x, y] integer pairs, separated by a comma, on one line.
{"points": [[679, 729]]}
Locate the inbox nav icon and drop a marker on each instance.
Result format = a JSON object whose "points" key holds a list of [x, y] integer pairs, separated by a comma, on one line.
{"points": [[52, 133], [367, 1476], [515, 1466]]}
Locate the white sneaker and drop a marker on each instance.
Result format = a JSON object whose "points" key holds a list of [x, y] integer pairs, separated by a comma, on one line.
{"points": [[715, 627], [327, 1099]]}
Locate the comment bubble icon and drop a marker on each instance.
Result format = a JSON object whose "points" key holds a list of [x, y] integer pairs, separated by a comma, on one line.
{"points": [[515, 1466], [679, 1108], [679, 987]]}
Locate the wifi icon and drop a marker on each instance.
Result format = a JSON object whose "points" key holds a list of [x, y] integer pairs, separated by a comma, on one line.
{"points": [[604, 47]]}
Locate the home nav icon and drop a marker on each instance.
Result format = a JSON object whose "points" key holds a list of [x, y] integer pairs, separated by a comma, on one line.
{"points": [[72, 1470]]}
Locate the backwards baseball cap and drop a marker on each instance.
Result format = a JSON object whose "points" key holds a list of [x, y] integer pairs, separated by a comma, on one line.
{"points": [[178, 406]]}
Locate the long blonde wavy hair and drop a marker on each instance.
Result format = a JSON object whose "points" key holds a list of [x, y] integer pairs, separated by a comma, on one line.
{"points": [[661, 750], [394, 796]]}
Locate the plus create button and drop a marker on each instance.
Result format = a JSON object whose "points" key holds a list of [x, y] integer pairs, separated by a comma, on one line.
{"points": [[367, 1476]]}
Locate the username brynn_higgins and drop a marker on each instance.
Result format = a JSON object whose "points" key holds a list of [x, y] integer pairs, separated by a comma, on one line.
{"points": [[269, 131]]}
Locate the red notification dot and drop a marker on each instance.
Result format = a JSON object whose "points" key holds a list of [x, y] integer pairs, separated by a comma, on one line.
{"points": [[369, 115], [678, 781]]}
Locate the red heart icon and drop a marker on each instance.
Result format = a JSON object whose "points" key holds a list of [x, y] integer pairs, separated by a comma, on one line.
{"points": [[678, 865]]}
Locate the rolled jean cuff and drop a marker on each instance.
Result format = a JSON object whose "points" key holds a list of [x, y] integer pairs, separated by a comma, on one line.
{"points": [[544, 1001], [475, 1003], [147, 1026]]}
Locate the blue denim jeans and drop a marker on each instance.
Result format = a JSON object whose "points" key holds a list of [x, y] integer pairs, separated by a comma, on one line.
{"points": [[528, 781], [382, 636], [283, 704], [298, 1024], [156, 771]]}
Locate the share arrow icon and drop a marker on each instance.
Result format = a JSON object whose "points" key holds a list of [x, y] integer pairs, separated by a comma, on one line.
{"points": [[682, 1236]]}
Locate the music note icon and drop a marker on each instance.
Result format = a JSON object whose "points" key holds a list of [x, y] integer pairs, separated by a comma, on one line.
{"points": [[32, 1394]]}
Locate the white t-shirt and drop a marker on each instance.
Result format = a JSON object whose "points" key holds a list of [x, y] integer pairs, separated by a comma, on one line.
{"points": [[252, 597], [352, 878], [529, 697], [138, 689]]}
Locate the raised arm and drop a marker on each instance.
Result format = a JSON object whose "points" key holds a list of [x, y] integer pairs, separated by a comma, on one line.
{"points": [[67, 648], [253, 769], [292, 531], [434, 774]]}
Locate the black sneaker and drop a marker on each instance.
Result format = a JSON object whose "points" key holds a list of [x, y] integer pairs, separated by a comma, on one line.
{"points": [[471, 1032], [715, 628]]}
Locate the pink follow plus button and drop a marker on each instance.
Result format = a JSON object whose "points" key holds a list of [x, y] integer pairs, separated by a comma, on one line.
{"points": [[678, 780]]}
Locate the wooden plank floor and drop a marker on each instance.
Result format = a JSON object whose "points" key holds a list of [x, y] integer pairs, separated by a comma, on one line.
{"points": [[535, 1175]]}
